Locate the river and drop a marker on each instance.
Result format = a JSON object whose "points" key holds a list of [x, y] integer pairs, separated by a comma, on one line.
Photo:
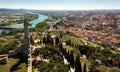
{"points": [[34, 22]]}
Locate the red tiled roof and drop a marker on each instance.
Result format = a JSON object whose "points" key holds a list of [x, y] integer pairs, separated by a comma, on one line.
{"points": [[118, 49]]}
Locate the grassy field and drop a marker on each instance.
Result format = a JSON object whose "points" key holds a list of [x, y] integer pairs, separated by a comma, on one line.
{"points": [[6, 39], [103, 68], [21, 68], [74, 40], [69, 48], [85, 60], [11, 62], [6, 67]]}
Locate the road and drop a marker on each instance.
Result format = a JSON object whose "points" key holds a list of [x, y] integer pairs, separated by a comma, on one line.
{"points": [[83, 41], [30, 57], [67, 63], [29, 61], [31, 49]]}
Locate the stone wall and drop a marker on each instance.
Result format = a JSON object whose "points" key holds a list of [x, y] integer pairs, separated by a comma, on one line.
{"points": [[3, 59]]}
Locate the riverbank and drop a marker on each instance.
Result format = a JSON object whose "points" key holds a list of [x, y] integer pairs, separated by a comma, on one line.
{"points": [[33, 22], [16, 18]]}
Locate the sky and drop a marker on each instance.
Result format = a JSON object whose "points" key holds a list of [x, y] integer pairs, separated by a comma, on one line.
{"points": [[60, 4]]}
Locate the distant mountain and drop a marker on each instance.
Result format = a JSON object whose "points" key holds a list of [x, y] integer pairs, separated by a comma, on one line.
{"points": [[23, 10], [11, 10]]}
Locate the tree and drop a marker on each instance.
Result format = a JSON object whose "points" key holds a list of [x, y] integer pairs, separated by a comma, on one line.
{"points": [[4, 32], [104, 60], [60, 46], [106, 52], [57, 40], [72, 59], [44, 40], [67, 56], [66, 42], [61, 35], [84, 69], [42, 26], [10, 45], [69, 42], [78, 67], [92, 66], [81, 49], [31, 40], [48, 39], [116, 59], [51, 41], [43, 67]]}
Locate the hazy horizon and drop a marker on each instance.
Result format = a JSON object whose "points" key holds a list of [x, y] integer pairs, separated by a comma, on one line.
{"points": [[60, 4]]}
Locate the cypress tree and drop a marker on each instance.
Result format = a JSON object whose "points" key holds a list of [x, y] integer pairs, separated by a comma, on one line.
{"points": [[56, 40], [66, 42], [72, 59], [67, 56], [60, 46], [44, 40], [61, 35], [78, 67], [31, 40], [48, 39], [69, 42], [51, 41], [84, 69]]}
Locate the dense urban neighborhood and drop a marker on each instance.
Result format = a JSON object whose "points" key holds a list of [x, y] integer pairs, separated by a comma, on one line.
{"points": [[100, 27]]}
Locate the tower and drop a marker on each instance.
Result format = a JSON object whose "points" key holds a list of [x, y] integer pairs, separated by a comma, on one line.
{"points": [[26, 44], [23, 51]]}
